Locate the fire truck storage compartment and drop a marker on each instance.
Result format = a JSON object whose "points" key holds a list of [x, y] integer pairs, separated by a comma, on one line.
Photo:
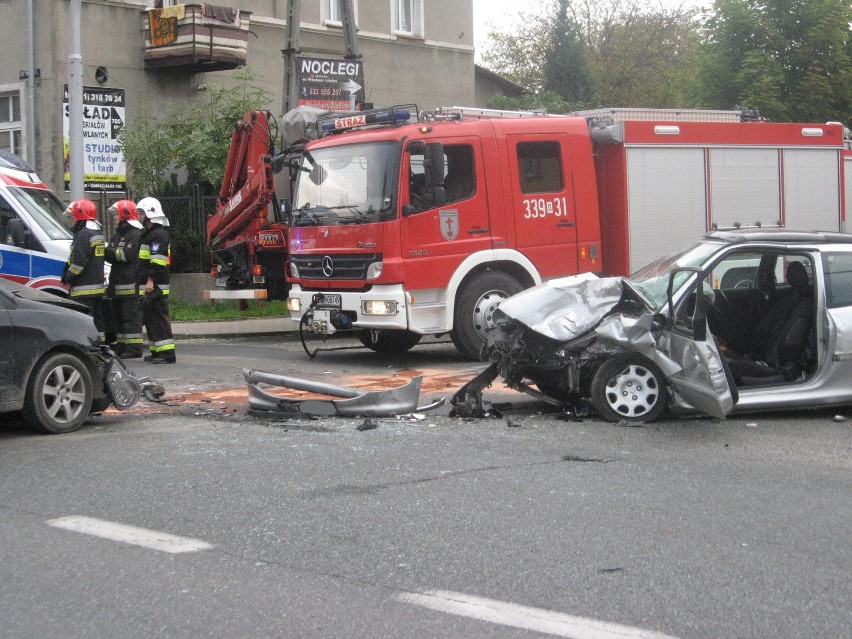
{"points": [[690, 178]]}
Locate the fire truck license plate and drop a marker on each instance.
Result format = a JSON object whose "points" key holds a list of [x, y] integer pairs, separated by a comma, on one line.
{"points": [[329, 301]]}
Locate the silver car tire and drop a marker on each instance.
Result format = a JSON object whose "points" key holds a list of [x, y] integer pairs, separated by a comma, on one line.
{"points": [[59, 394], [629, 387]]}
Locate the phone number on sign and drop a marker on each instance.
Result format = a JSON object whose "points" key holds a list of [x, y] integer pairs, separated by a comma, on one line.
{"points": [[536, 208]]}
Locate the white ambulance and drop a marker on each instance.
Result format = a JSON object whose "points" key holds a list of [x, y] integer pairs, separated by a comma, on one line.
{"points": [[35, 239]]}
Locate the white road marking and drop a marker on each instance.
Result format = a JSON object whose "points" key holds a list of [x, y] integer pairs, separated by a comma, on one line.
{"points": [[129, 534], [536, 619]]}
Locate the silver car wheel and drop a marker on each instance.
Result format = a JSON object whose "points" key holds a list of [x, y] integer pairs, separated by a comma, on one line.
{"points": [[633, 392]]}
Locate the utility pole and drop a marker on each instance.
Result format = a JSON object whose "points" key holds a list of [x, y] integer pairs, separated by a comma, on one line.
{"points": [[31, 158], [290, 52], [75, 102]]}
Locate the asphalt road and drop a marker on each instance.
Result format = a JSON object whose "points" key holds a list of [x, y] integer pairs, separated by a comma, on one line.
{"points": [[528, 526]]}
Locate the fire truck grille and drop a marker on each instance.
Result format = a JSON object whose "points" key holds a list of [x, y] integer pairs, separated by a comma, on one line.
{"points": [[334, 267]]}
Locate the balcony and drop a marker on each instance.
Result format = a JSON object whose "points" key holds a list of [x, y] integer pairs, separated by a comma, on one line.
{"points": [[199, 37]]}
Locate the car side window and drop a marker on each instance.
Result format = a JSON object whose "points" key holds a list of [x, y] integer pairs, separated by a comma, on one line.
{"points": [[737, 271], [838, 279]]}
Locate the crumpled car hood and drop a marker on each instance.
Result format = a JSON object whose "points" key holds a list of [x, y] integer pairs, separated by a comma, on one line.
{"points": [[565, 308]]}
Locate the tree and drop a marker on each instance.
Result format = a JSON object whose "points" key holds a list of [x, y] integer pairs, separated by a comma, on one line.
{"points": [[789, 58], [622, 52], [149, 152], [191, 140], [638, 51], [518, 54], [566, 71], [548, 101]]}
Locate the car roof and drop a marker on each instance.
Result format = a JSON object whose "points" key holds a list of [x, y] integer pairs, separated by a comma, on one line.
{"points": [[786, 236]]}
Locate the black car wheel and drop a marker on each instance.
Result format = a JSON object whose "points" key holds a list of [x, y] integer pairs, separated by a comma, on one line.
{"points": [[475, 307], [59, 394], [629, 387]]}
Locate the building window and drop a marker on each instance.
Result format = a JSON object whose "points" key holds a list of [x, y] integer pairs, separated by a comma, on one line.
{"points": [[10, 123], [408, 17], [331, 12]]}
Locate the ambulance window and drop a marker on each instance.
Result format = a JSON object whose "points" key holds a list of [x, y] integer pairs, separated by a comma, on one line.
{"points": [[6, 214], [540, 167]]}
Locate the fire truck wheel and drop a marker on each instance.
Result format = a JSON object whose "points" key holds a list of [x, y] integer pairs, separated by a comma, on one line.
{"points": [[389, 342], [629, 387], [475, 307]]}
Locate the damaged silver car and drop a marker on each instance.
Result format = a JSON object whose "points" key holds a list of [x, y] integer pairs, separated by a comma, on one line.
{"points": [[742, 321]]}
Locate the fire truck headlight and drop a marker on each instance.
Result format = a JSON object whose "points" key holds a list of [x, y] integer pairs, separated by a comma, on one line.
{"points": [[294, 304], [374, 270], [294, 271], [378, 307]]}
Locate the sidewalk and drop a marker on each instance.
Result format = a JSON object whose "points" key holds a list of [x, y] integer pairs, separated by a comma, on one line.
{"points": [[248, 326]]}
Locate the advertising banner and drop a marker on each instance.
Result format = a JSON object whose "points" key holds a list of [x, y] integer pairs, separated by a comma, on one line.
{"points": [[334, 85], [103, 161]]}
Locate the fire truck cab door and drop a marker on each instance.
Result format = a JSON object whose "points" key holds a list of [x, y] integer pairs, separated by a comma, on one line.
{"points": [[544, 208], [443, 236]]}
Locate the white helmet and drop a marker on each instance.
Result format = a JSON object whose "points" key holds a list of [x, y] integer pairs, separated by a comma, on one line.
{"points": [[153, 211]]}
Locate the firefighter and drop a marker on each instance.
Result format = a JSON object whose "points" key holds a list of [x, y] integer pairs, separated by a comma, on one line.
{"points": [[122, 293], [154, 260], [84, 270]]}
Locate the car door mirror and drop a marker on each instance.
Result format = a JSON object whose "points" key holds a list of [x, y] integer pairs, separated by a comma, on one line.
{"points": [[19, 232]]}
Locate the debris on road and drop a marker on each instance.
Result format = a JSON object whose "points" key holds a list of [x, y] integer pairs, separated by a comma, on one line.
{"points": [[351, 402]]}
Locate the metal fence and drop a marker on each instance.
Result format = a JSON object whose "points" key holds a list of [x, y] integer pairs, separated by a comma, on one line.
{"points": [[188, 226]]}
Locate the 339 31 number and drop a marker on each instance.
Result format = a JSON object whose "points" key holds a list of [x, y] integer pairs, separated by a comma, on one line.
{"points": [[541, 207]]}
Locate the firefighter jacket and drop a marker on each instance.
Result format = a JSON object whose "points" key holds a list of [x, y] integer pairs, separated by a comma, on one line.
{"points": [[123, 253], [84, 271], [155, 258]]}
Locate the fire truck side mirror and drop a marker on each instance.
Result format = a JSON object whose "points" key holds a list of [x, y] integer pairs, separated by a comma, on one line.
{"points": [[286, 211], [433, 164]]}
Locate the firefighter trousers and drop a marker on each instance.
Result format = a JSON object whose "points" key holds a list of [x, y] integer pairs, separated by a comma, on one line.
{"points": [[127, 319], [95, 305], [158, 325]]}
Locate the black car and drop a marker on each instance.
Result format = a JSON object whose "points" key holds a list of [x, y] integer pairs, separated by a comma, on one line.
{"points": [[52, 366]]}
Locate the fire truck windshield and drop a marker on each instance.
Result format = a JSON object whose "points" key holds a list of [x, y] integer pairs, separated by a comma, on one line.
{"points": [[347, 184]]}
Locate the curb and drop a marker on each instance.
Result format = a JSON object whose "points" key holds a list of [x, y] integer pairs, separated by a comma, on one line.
{"points": [[231, 328]]}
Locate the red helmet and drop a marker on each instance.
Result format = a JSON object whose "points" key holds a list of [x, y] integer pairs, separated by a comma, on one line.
{"points": [[83, 210], [125, 210]]}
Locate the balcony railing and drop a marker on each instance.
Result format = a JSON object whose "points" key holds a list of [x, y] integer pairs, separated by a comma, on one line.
{"points": [[202, 37]]}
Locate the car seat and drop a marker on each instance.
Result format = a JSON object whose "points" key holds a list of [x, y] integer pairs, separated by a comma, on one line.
{"points": [[787, 325]]}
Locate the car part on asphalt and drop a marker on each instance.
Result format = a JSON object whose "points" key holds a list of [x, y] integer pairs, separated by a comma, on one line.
{"points": [[353, 402]]}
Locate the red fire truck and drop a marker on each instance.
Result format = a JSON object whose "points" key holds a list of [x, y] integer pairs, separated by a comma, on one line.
{"points": [[407, 224]]}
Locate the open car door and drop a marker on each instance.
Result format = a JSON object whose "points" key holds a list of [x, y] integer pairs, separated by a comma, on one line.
{"points": [[703, 378]]}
